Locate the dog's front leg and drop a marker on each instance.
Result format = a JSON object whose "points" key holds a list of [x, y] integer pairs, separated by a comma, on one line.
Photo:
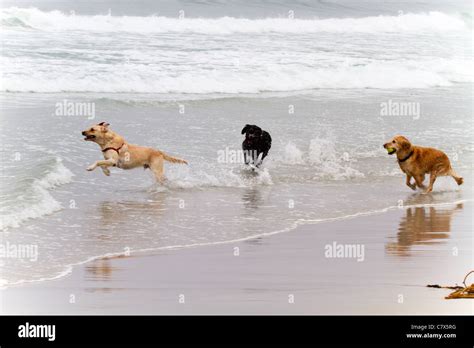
{"points": [[409, 184], [246, 157], [419, 181], [432, 181], [259, 159], [92, 166], [105, 170], [103, 164]]}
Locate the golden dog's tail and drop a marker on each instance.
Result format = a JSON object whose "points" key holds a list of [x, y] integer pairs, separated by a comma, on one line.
{"points": [[173, 159], [459, 180]]}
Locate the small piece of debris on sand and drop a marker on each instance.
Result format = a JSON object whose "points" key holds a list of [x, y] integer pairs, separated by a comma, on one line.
{"points": [[460, 292]]}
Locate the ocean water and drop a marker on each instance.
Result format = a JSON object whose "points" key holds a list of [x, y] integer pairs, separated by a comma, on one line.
{"points": [[315, 75]]}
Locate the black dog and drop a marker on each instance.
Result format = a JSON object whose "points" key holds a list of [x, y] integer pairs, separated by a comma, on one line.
{"points": [[257, 141]]}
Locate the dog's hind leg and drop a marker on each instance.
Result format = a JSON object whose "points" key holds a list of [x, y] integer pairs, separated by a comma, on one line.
{"points": [[459, 180], [419, 181], [156, 166], [432, 181]]}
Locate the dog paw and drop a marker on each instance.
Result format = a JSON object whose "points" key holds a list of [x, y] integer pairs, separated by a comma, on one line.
{"points": [[106, 171], [90, 168]]}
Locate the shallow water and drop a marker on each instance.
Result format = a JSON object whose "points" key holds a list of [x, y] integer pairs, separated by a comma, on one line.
{"points": [[333, 167]]}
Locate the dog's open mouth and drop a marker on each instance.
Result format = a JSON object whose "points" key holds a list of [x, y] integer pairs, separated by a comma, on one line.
{"points": [[391, 150], [89, 137]]}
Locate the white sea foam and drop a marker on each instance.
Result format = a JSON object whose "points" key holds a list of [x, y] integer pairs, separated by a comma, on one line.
{"points": [[275, 77], [238, 176], [44, 203], [60, 21], [193, 58], [321, 157]]}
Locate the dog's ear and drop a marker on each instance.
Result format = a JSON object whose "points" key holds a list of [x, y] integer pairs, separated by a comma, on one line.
{"points": [[404, 143], [104, 124], [244, 130]]}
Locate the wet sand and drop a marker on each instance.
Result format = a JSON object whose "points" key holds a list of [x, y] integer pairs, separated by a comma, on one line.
{"points": [[290, 273]]}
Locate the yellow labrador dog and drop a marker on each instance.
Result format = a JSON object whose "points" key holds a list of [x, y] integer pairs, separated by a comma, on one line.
{"points": [[118, 153], [417, 161]]}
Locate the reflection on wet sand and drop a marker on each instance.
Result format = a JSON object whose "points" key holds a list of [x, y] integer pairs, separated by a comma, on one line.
{"points": [[422, 226], [115, 220], [113, 212], [252, 198], [99, 270], [116, 216]]}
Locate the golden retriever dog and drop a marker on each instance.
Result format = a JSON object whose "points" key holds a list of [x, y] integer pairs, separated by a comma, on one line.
{"points": [[417, 161], [118, 153]]}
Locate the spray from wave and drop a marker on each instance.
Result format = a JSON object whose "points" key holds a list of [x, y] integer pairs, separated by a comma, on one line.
{"points": [[321, 159]]}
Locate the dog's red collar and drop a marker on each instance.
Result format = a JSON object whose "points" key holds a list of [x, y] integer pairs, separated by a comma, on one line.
{"points": [[113, 148], [409, 155]]}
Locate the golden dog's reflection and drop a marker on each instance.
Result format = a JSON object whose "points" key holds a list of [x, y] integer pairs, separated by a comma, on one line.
{"points": [[422, 226], [99, 269], [117, 222]]}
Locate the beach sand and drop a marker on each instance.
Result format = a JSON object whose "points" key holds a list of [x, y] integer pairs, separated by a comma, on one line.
{"points": [[404, 250]]}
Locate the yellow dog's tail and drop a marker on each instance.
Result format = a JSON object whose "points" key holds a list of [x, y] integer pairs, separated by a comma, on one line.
{"points": [[173, 159]]}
